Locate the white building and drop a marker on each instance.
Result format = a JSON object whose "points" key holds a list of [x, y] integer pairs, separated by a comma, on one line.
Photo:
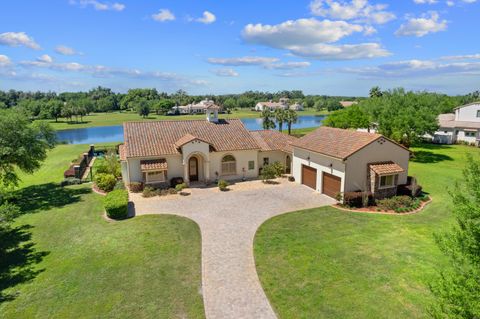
{"points": [[272, 106], [196, 108], [462, 126]]}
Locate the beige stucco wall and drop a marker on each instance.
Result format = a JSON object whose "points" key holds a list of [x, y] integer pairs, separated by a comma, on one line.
{"points": [[241, 157], [356, 165], [174, 162], [273, 156], [320, 162], [468, 113]]}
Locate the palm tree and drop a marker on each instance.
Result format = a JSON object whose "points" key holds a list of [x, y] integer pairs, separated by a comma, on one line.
{"points": [[375, 92], [290, 117], [268, 123], [280, 115]]}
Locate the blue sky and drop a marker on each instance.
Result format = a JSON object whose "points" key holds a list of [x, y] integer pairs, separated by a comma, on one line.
{"points": [[334, 47]]}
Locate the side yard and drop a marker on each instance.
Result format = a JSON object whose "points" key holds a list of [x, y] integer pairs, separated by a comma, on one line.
{"points": [[326, 263], [67, 261]]}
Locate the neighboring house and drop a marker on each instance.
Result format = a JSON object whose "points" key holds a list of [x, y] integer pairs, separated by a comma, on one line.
{"points": [[333, 161], [296, 107], [272, 106], [348, 103], [198, 108], [198, 150], [462, 126]]}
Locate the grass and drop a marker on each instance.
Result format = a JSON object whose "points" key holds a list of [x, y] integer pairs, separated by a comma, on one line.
{"points": [[66, 261], [117, 118], [324, 263]]}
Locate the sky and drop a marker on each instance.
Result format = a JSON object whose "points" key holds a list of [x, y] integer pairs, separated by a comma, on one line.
{"points": [[331, 47]]}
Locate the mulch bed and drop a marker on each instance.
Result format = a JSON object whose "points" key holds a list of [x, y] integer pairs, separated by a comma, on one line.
{"points": [[98, 190], [373, 209]]}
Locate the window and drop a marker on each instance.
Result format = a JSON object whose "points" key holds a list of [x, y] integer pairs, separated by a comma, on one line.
{"points": [[478, 113], [266, 161], [155, 177], [229, 165], [251, 165], [470, 134], [387, 181]]}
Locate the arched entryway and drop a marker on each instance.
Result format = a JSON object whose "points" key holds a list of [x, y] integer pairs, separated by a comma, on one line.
{"points": [[193, 169]]}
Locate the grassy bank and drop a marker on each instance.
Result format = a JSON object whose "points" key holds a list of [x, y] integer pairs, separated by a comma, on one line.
{"points": [[324, 263]]}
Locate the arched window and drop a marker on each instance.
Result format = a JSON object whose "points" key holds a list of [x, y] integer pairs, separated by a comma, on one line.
{"points": [[229, 165]]}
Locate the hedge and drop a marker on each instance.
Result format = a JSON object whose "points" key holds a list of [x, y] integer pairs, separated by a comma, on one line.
{"points": [[116, 204]]}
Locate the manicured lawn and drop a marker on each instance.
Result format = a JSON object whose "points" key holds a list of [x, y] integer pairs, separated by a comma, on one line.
{"points": [[117, 118], [68, 262], [324, 263]]}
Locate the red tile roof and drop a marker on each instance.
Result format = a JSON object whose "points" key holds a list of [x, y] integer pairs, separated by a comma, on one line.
{"points": [[270, 140], [385, 168], [335, 142], [121, 152], [156, 164], [143, 139], [187, 138]]}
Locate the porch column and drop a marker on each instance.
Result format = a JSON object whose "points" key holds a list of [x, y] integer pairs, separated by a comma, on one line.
{"points": [[185, 173]]}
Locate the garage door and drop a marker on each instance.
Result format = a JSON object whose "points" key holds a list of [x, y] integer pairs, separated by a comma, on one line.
{"points": [[331, 185], [309, 176]]}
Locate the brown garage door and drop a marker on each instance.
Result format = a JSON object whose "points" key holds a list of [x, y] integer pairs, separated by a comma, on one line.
{"points": [[309, 176], [331, 185]]}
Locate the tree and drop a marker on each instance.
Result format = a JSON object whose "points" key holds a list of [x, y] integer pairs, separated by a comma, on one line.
{"points": [[280, 116], [351, 117], [458, 289], [23, 146], [163, 106], [230, 104], [54, 109], [143, 107], [290, 118], [268, 122], [375, 92]]}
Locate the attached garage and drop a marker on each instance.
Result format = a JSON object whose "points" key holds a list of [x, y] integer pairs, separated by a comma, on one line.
{"points": [[331, 185], [309, 176]]}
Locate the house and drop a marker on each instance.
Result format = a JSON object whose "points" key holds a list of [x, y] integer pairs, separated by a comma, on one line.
{"points": [[199, 150], [348, 103], [461, 126], [272, 106], [296, 106], [332, 161], [198, 108]]}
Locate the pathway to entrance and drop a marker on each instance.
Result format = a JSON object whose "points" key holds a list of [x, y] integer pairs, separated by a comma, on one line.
{"points": [[228, 222]]}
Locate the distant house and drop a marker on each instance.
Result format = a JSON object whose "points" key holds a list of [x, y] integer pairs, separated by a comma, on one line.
{"points": [[296, 106], [461, 126], [272, 106], [348, 103], [197, 108]]}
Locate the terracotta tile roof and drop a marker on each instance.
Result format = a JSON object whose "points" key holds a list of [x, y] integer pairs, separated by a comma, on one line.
{"points": [[156, 164], [270, 140], [272, 104], [335, 142], [384, 168], [187, 138], [121, 152], [157, 138]]}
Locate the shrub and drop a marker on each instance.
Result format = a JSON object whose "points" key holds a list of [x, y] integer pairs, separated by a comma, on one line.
{"points": [[163, 192], [397, 203], [278, 168], [119, 185], [357, 199], [70, 181], [105, 182], [172, 191], [116, 204], [136, 187], [268, 172], [150, 192], [175, 181], [180, 187], [223, 185], [108, 165], [291, 179]]}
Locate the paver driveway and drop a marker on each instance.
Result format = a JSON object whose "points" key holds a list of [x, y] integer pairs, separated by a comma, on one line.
{"points": [[228, 222]]}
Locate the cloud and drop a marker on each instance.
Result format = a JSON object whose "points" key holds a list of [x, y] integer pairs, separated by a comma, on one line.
{"points": [[225, 72], [287, 65], [163, 15], [242, 61], [452, 3], [357, 10], [99, 6], [341, 52], [207, 18], [16, 39], [45, 59], [419, 27], [5, 61], [425, 1], [462, 57], [64, 50]]}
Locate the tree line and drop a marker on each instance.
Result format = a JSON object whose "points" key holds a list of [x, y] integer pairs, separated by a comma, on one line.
{"points": [[74, 105]]}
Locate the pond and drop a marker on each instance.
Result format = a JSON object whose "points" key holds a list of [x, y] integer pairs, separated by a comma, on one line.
{"points": [[106, 134]]}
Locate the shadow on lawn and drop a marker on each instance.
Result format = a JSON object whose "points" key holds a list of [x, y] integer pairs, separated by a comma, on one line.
{"points": [[18, 258], [46, 196], [429, 157]]}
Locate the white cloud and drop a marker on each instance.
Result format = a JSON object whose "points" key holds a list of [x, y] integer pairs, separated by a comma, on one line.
{"points": [[287, 65], [163, 15], [207, 18], [419, 27], [425, 1], [225, 72], [5, 61], [98, 5], [45, 59], [242, 61], [452, 3], [462, 57], [358, 10], [64, 50], [15, 39], [340, 52]]}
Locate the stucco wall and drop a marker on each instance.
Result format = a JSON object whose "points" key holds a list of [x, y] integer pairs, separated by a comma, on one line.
{"points": [[241, 157], [468, 113], [174, 162], [124, 167], [463, 138], [273, 156], [320, 163], [357, 164]]}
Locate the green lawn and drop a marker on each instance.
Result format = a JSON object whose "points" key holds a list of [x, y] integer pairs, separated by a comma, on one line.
{"points": [[117, 118], [66, 261], [325, 263]]}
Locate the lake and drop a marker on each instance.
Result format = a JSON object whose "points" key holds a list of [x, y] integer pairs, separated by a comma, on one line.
{"points": [[106, 134]]}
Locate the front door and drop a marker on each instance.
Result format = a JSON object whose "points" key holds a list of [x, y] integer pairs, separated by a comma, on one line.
{"points": [[193, 169]]}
